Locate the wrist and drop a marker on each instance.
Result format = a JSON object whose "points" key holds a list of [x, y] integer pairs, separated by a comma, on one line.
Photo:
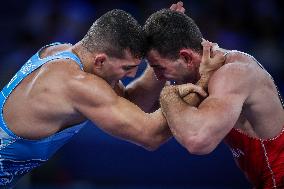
{"points": [[168, 93], [170, 89], [203, 81]]}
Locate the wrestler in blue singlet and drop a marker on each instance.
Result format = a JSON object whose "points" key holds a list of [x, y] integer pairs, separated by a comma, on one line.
{"points": [[18, 156]]}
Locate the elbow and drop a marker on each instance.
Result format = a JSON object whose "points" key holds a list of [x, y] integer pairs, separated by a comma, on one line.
{"points": [[151, 144], [199, 146], [151, 147], [154, 135]]}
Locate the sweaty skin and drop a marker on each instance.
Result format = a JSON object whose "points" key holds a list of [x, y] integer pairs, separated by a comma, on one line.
{"points": [[236, 93], [244, 108], [59, 94]]}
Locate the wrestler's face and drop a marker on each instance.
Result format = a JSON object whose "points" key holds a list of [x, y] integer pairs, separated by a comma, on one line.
{"points": [[169, 69], [115, 69]]}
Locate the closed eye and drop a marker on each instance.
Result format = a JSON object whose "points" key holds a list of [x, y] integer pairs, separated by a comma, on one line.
{"points": [[129, 67], [157, 66]]}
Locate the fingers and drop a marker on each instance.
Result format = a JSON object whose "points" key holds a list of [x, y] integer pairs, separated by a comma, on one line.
{"points": [[184, 90], [212, 58], [188, 88], [173, 7], [219, 57], [210, 49], [200, 91], [215, 47], [182, 10], [206, 49], [180, 3], [178, 7]]}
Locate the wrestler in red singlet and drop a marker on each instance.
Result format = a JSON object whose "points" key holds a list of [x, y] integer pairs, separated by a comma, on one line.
{"points": [[262, 161]]}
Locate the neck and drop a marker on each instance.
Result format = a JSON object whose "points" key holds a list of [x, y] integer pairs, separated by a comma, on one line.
{"points": [[84, 55], [192, 77], [86, 58]]}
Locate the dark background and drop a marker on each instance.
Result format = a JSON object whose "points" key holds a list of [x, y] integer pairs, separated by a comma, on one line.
{"points": [[94, 159]]}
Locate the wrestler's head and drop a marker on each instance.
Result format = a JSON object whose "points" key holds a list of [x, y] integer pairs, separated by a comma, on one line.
{"points": [[116, 42], [173, 45]]}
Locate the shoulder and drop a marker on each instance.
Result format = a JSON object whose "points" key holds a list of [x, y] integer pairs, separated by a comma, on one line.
{"points": [[77, 86], [235, 77], [60, 70], [84, 88], [53, 49]]}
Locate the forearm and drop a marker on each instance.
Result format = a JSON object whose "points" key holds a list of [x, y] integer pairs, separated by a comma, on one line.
{"points": [[159, 132], [193, 99], [145, 91], [147, 130], [127, 121], [172, 104], [173, 108]]}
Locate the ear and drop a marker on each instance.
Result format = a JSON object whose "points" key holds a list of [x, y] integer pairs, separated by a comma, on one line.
{"points": [[99, 60], [187, 56]]}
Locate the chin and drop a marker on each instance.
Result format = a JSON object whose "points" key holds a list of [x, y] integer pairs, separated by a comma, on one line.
{"points": [[160, 77], [169, 78]]}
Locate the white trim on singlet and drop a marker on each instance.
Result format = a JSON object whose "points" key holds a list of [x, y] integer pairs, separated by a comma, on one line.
{"points": [[268, 164], [3, 95]]}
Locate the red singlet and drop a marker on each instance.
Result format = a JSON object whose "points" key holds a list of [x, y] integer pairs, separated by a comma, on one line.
{"points": [[262, 161]]}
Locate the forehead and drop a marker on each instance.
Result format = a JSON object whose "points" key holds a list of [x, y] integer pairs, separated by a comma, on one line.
{"points": [[154, 57], [128, 59], [131, 59]]}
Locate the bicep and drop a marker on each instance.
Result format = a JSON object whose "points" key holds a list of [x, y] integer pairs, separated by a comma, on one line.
{"points": [[114, 114], [122, 119], [211, 122], [97, 101], [118, 117], [228, 90], [221, 111]]}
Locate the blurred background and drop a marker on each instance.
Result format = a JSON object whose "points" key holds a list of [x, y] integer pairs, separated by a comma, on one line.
{"points": [[94, 159]]}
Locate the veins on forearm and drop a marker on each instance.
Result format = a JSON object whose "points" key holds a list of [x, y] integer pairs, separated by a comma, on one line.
{"points": [[203, 81], [170, 100], [172, 105]]}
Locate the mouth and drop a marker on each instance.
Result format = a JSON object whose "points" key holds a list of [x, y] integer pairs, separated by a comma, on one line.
{"points": [[161, 77]]}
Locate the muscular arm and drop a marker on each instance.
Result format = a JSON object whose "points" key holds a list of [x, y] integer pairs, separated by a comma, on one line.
{"points": [[96, 100], [145, 90], [201, 129]]}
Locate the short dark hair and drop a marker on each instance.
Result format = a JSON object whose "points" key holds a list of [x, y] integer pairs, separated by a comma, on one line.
{"points": [[113, 33], [169, 31]]}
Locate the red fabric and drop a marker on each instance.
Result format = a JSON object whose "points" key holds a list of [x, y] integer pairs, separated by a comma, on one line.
{"points": [[262, 161]]}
